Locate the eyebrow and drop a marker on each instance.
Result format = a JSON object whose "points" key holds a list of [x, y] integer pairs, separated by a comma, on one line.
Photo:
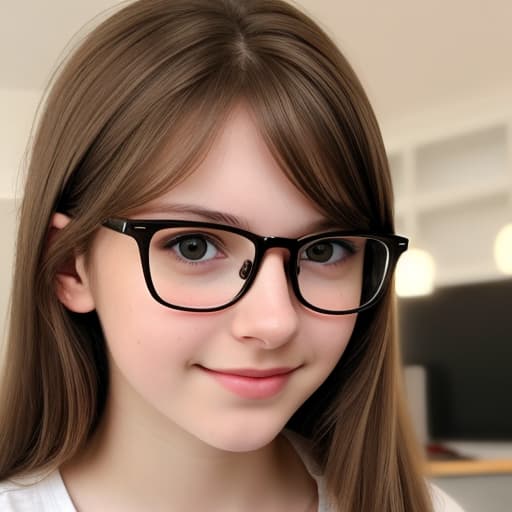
{"points": [[205, 213], [220, 217]]}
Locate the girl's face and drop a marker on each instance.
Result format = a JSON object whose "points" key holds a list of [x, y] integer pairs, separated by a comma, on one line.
{"points": [[179, 371]]}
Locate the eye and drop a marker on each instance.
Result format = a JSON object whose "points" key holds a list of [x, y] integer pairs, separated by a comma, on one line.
{"points": [[327, 251], [195, 248]]}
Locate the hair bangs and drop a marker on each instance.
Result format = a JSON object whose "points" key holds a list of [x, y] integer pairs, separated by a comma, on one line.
{"points": [[320, 128], [157, 126]]}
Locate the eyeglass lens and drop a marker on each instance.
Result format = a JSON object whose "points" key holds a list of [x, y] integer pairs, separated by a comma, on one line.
{"points": [[207, 268]]}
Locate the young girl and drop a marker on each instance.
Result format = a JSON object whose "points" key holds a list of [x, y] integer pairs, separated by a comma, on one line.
{"points": [[202, 315]]}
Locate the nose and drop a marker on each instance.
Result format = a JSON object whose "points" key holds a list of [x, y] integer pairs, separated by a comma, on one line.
{"points": [[268, 313]]}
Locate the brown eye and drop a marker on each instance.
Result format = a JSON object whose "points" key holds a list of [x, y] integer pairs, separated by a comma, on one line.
{"points": [[321, 252], [329, 252], [192, 248]]}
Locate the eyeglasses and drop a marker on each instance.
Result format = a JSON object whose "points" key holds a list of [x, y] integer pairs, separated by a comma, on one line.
{"points": [[198, 266]]}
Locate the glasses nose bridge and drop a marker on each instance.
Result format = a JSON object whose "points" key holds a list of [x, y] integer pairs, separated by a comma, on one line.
{"points": [[264, 244], [277, 242], [271, 242]]}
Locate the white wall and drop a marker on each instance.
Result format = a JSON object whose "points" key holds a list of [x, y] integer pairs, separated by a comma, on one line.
{"points": [[17, 110]]}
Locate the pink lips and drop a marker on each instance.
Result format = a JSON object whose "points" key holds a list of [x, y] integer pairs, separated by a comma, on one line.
{"points": [[251, 383]]}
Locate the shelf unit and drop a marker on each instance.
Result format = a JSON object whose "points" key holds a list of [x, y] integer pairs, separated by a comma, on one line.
{"points": [[453, 193]]}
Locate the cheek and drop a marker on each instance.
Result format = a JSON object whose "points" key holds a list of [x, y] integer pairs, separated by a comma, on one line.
{"points": [[151, 353], [329, 338], [323, 342], [142, 335]]}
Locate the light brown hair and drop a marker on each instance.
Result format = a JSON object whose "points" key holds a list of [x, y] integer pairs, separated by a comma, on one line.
{"points": [[131, 114]]}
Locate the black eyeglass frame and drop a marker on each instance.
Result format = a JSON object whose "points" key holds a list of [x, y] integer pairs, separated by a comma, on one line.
{"points": [[142, 231]]}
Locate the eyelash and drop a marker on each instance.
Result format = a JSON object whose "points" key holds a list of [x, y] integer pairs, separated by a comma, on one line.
{"points": [[344, 245], [217, 244]]}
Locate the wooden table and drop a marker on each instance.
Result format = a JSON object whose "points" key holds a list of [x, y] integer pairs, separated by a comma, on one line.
{"points": [[469, 467]]}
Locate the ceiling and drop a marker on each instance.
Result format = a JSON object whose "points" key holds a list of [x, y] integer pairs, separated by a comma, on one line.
{"points": [[410, 55]]}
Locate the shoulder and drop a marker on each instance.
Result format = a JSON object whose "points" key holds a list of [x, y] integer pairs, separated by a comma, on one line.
{"points": [[41, 492], [442, 502]]}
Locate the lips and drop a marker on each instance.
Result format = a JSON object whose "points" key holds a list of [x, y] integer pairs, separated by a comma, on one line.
{"points": [[257, 374], [251, 383]]}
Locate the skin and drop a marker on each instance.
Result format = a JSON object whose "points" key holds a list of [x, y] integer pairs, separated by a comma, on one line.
{"points": [[172, 438]]}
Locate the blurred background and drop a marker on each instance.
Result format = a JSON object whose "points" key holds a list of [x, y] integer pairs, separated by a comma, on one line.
{"points": [[439, 76]]}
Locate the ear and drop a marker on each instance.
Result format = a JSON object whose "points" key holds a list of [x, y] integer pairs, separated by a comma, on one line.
{"points": [[71, 281]]}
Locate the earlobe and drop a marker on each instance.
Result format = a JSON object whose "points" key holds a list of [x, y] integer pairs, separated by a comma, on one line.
{"points": [[71, 280]]}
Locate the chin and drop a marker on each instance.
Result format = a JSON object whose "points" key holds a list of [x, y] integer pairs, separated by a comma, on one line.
{"points": [[241, 439], [242, 445]]}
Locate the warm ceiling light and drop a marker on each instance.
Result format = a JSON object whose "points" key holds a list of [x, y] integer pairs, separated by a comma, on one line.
{"points": [[503, 249], [415, 274]]}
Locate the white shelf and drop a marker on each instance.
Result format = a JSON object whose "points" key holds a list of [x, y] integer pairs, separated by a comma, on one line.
{"points": [[465, 193], [474, 159], [452, 195]]}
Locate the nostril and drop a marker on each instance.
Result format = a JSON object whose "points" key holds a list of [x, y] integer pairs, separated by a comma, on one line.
{"points": [[245, 270]]}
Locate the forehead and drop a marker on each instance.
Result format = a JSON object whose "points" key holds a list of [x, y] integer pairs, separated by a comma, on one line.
{"points": [[240, 177]]}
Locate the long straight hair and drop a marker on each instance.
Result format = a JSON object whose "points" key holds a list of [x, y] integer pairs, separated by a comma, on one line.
{"points": [[131, 114]]}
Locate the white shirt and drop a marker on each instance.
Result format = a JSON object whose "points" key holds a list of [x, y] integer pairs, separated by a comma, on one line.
{"points": [[49, 494]]}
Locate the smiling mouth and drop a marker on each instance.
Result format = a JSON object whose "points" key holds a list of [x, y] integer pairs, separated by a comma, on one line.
{"points": [[254, 373], [251, 383]]}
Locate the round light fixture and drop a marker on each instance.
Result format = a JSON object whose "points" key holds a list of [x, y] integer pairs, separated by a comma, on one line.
{"points": [[415, 274], [503, 249]]}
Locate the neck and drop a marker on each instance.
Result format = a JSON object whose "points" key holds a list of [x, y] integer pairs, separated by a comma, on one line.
{"points": [[143, 465]]}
